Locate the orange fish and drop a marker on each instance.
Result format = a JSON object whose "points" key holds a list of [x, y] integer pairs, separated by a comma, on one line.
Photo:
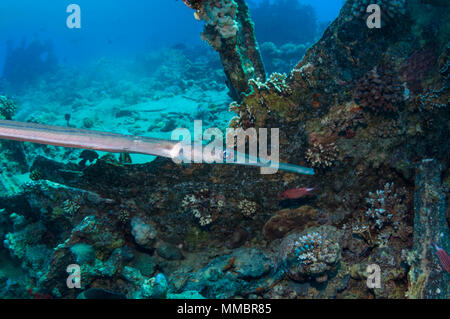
{"points": [[295, 193]]}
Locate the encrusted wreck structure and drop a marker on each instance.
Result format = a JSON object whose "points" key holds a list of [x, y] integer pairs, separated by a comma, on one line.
{"points": [[230, 31]]}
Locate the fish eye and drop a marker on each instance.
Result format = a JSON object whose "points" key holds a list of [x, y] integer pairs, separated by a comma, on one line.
{"points": [[226, 154]]}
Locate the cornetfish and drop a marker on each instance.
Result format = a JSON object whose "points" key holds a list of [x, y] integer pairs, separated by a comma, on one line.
{"points": [[119, 143]]}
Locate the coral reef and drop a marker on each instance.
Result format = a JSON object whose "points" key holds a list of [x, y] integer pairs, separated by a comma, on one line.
{"points": [[345, 120], [241, 273], [311, 254], [204, 205], [28, 61], [264, 102], [384, 203], [247, 207], [7, 108], [321, 154]]}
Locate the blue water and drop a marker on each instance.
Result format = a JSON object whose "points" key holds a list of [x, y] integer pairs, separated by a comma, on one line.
{"points": [[118, 28], [121, 60]]}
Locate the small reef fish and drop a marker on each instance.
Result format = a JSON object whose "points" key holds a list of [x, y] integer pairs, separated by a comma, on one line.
{"points": [[295, 193], [444, 258]]}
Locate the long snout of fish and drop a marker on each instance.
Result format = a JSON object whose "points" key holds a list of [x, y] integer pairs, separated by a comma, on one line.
{"points": [[119, 143]]}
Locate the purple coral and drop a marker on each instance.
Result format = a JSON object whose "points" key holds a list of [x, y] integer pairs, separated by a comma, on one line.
{"points": [[379, 90], [385, 204], [419, 63]]}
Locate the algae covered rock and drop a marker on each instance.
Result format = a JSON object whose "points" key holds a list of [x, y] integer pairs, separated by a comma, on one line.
{"points": [[145, 288], [236, 274], [392, 272], [169, 251], [144, 234], [287, 220]]}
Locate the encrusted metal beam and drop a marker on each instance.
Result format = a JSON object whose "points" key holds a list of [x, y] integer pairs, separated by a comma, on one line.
{"points": [[230, 31]]}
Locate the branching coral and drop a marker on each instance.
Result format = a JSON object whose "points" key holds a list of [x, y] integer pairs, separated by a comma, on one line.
{"points": [[363, 230], [71, 207], [205, 205], [379, 91], [244, 119], [306, 248], [321, 155], [311, 254], [433, 100], [248, 208], [385, 204], [276, 82]]}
